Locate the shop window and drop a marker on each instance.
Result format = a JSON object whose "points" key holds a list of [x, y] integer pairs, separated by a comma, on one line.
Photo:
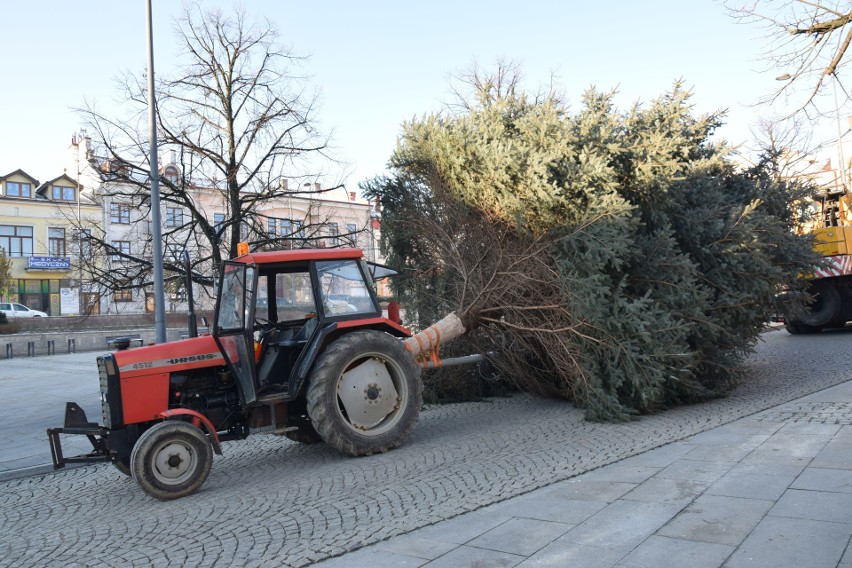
{"points": [[123, 295]]}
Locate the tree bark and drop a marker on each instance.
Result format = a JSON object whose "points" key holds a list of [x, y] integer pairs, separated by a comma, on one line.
{"points": [[431, 338]]}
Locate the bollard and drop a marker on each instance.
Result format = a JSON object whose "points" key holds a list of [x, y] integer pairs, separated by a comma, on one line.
{"points": [[30, 348], [72, 345], [9, 354], [51, 347]]}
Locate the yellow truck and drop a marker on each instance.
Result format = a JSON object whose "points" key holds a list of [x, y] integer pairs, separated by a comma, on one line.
{"points": [[831, 284]]}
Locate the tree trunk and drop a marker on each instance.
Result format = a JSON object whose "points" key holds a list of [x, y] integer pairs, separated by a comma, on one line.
{"points": [[431, 338]]}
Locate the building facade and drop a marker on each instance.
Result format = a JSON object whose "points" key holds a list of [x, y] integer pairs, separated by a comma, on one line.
{"points": [[310, 216], [41, 225]]}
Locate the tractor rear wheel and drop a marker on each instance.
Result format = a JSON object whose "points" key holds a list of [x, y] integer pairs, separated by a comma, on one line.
{"points": [[304, 435], [364, 393], [171, 459]]}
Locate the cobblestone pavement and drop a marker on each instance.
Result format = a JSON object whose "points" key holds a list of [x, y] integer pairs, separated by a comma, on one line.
{"points": [[270, 502]]}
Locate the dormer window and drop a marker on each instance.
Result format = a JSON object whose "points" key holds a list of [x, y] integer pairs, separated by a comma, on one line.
{"points": [[171, 174], [64, 193], [18, 189]]}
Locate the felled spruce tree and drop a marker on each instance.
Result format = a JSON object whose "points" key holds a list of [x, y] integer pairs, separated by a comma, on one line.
{"points": [[618, 259]]}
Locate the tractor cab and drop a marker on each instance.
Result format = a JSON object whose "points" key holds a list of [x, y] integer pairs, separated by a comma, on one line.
{"points": [[277, 309]]}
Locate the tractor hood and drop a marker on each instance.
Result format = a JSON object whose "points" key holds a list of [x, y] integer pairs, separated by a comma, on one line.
{"points": [[192, 353]]}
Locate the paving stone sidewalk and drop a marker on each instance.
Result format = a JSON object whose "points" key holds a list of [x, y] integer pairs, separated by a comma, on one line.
{"points": [[773, 489]]}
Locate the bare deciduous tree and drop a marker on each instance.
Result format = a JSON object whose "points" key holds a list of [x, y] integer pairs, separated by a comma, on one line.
{"points": [[808, 46], [236, 119]]}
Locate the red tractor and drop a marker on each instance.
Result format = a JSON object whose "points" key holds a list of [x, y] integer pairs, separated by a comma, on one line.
{"points": [[299, 347]]}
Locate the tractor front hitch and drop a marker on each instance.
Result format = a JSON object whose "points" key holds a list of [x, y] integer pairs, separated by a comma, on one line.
{"points": [[77, 423]]}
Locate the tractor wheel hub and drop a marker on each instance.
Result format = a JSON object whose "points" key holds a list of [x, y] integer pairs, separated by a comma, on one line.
{"points": [[372, 392]]}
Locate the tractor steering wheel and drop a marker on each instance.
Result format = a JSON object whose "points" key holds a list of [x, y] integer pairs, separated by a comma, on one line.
{"points": [[263, 327]]}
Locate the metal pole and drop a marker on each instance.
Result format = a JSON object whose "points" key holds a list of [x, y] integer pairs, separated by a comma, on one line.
{"points": [[453, 361], [157, 236], [839, 138], [192, 324]]}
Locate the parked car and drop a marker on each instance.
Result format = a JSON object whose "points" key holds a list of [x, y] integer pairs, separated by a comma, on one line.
{"points": [[13, 310]]}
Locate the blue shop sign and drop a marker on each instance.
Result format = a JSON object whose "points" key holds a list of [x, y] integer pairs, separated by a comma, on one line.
{"points": [[49, 262]]}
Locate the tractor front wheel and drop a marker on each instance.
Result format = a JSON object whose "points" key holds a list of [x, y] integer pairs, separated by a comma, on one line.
{"points": [[171, 459], [122, 465], [364, 393]]}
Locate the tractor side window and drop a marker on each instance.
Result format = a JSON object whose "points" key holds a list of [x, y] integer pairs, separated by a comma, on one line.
{"points": [[232, 308], [343, 289]]}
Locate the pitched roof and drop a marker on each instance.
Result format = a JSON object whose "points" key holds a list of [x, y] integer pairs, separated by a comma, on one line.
{"points": [[21, 173], [43, 187]]}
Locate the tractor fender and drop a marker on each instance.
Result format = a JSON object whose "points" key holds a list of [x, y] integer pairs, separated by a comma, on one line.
{"points": [[201, 420]]}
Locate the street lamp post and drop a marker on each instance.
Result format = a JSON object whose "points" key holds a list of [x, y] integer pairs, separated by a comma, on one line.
{"points": [[157, 232], [839, 139]]}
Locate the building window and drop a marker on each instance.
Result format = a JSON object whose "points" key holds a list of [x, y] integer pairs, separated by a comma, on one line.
{"points": [[280, 227], [62, 193], [85, 236], [16, 241], [352, 230], [119, 213], [171, 174], [122, 247], [218, 220], [123, 295], [174, 252], [174, 217], [333, 232], [17, 189], [56, 241]]}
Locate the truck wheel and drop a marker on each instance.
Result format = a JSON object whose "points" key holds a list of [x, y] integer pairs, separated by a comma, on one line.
{"points": [[825, 307], [172, 459], [797, 328], [364, 393]]}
